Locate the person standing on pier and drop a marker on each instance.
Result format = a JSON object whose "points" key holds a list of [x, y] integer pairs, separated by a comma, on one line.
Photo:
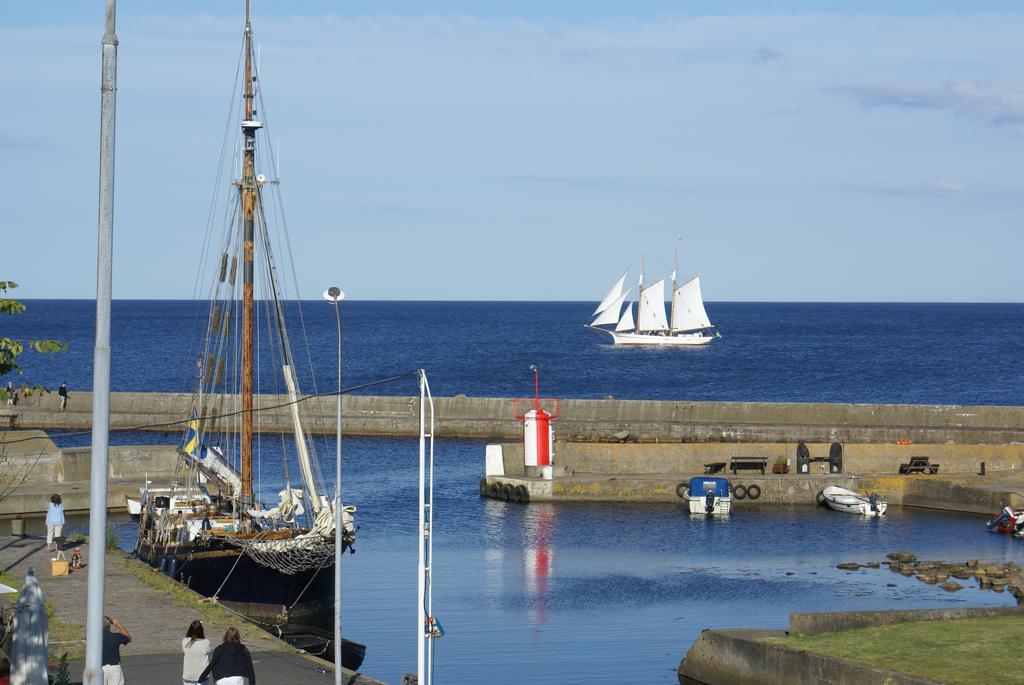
{"points": [[10, 394], [197, 651], [231, 663], [63, 394], [54, 521], [114, 635]]}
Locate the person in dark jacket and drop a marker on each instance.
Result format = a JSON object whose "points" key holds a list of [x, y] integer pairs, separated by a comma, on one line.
{"points": [[231, 662]]}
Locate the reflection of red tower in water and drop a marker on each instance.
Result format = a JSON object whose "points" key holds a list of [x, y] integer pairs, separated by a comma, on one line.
{"points": [[538, 558]]}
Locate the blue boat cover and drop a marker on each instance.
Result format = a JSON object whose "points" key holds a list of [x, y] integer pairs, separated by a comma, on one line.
{"points": [[700, 485]]}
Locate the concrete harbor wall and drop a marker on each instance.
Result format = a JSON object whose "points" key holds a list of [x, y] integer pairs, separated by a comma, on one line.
{"points": [[691, 457], [742, 657], [608, 420], [651, 473], [32, 468]]}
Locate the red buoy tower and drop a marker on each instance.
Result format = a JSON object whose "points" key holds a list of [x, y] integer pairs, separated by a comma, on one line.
{"points": [[538, 436]]}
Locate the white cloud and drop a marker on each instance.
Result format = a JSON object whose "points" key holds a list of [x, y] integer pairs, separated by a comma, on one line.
{"points": [[991, 104], [764, 55], [939, 188]]}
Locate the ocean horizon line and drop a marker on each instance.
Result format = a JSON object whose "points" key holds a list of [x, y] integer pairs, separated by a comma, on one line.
{"points": [[350, 300]]}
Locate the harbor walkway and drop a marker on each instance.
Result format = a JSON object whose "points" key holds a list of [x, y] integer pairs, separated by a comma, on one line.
{"points": [[155, 610]]}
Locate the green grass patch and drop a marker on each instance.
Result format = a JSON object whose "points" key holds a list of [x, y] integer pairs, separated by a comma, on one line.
{"points": [[63, 637], [970, 651], [212, 612], [9, 580]]}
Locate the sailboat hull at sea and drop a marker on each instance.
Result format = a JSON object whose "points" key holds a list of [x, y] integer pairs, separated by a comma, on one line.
{"points": [[668, 340], [687, 323]]}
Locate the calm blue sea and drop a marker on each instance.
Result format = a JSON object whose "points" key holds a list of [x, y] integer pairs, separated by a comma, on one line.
{"points": [[902, 353], [574, 593], [581, 593]]}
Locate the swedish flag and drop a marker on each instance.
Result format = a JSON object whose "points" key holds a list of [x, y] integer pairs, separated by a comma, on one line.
{"points": [[190, 441]]}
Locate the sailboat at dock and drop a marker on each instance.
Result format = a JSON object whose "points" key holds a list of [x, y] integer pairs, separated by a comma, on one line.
{"points": [[686, 325], [208, 529]]}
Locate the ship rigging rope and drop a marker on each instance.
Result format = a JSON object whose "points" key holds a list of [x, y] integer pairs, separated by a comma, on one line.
{"points": [[185, 421], [304, 552]]}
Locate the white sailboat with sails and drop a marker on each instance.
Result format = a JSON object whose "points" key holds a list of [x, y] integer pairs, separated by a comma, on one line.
{"points": [[686, 325]]}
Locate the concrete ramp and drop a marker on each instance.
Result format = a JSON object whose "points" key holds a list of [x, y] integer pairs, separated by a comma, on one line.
{"points": [[25, 443]]}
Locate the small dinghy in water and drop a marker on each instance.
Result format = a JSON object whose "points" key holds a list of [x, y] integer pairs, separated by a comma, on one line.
{"points": [[706, 495], [850, 502], [1008, 521]]}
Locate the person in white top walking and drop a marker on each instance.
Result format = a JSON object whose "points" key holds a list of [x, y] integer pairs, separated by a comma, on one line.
{"points": [[197, 651], [54, 521]]}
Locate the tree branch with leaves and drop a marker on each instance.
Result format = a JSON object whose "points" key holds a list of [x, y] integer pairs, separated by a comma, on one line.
{"points": [[11, 349]]}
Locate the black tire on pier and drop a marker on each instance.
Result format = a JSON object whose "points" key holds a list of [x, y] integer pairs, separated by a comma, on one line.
{"points": [[753, 491], [483, 487], [819, 499], [681, 490], [494, 491], [524, 494], [739, 492], [509, 493]]}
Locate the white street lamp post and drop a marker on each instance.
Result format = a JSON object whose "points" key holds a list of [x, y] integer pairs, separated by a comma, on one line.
{"points": [[335, 295]]}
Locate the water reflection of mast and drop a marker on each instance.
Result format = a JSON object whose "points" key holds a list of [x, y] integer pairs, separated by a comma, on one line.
{"points": [[538, 558]]}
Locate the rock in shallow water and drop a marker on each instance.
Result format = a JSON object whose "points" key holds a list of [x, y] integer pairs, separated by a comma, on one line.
{"points": [[902, 556]]}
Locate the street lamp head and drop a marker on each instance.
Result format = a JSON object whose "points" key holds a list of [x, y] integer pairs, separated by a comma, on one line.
{"points": [[534, 368], [334, 294]]}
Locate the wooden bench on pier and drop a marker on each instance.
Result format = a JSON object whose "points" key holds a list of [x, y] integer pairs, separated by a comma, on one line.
{"points": [[748, 464], [918, 465], [714, 467]]}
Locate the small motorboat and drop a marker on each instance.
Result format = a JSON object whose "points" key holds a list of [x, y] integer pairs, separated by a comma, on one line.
{"points": [[320, 642], [850, 502], [134, 506], [1008, 521], [707, 495]]}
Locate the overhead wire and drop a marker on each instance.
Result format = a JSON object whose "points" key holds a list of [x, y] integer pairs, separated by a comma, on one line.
{"points": [[185, 421]]}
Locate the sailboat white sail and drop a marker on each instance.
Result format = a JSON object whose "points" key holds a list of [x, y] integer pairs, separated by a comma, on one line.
{"points": [[614, 294], [626, 320], [610, 313], [687, 322], [688, 308], [652, 311]]}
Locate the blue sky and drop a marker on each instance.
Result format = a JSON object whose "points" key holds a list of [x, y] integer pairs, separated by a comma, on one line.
{"points": [[532, 150]]}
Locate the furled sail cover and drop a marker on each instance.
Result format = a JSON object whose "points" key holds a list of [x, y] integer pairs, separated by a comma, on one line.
{"points": [[626, 322], [612, 295], [688, 308], [652, 308], [611, 314]]}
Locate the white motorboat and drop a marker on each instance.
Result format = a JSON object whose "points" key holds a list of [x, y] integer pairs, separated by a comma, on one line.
{"points": [[686, 325], [850, 502], [706, 495]]}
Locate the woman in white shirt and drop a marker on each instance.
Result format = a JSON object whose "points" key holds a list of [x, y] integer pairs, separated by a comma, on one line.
{"points": [[54, 521], [197, 651]]}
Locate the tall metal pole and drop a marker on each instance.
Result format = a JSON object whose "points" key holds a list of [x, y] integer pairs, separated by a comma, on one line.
{"points": [[93, 674], [335, 295]]}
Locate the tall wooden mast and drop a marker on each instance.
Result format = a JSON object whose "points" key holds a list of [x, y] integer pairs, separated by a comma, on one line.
{"points": [[247, 188]]}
